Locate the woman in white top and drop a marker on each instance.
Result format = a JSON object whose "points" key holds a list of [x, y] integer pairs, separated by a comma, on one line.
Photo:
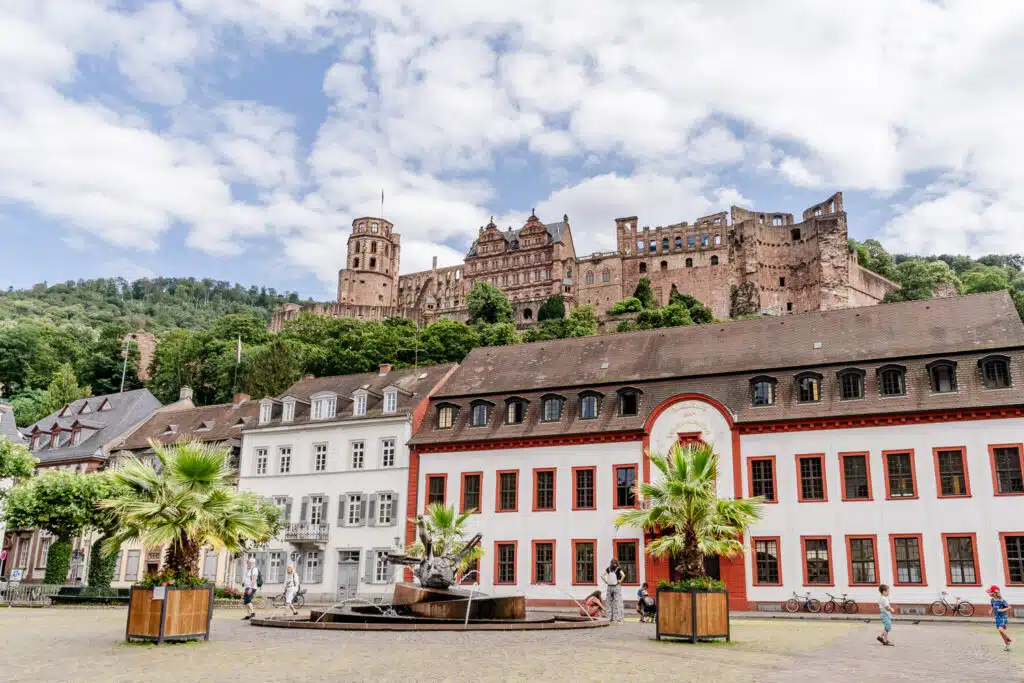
{"points": [[291, 588], [613, 579]]}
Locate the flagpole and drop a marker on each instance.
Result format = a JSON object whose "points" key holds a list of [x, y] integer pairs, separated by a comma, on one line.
{"points": [[382, 204]]}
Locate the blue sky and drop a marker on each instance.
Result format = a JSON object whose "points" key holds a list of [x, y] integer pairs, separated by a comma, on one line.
{"points": [[238, 140]]}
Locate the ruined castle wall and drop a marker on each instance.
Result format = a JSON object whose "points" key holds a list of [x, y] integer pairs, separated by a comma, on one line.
{"points": [[598, 281], [867, 288], [708, 282]]}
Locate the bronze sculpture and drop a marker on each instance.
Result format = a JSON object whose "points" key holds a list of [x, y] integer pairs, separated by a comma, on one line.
{"points": [[434, 571]]}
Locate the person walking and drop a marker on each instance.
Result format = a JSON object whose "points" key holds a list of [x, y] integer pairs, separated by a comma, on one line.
{"points": [[1001, 611], [250, 582], [885, 609], [613, 579], [291, 588]]}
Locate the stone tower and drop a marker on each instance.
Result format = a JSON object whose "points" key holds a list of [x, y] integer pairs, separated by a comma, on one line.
{"points": [[370, 276]]}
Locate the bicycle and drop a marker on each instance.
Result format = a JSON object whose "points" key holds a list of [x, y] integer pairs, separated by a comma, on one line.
{"points": [[942, 607], [298, 601], [808, 603], [844, 603]]}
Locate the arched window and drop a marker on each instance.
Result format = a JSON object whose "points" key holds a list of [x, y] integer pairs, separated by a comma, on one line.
{"points": [[355, 263], [551, 408], [373, 261], [679, 242], [590, 277], [851, 384], [629, 402], [515, 411], [942, 376], [643, 267], [714, 260], [481, 414], [590, 404], [606, 275], [689, 263], [762, 391], [527, 314], [373, 247], [653, 246], [808, 387], [664, 243], [995, 372], [664, 266], [892, 380], [639, 246]]}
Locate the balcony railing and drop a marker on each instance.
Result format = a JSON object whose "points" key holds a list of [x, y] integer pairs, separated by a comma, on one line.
{"points": [[303, 531]]}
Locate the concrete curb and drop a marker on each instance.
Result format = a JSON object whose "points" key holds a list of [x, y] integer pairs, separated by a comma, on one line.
{"points": [[866, 618]]}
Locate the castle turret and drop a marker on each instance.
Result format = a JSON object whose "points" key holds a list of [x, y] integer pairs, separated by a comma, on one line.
{"points": [[370, 276]]}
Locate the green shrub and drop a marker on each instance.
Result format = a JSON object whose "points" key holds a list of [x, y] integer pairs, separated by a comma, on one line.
{"points": [[169, 577], [702, 583], [628, 305]]}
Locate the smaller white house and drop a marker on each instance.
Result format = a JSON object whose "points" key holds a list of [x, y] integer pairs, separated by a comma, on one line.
{"points": [[331, 453]]}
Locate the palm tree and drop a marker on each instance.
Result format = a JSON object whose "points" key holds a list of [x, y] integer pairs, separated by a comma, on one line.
{"points": [[187, 501], [684, 505], [447, 529]]}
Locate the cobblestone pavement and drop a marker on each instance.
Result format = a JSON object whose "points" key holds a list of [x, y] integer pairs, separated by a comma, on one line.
{"points": [[43, 645]]}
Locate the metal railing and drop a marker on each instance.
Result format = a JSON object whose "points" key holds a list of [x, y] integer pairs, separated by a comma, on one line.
{"points": [[303, 531], [22, 593]]}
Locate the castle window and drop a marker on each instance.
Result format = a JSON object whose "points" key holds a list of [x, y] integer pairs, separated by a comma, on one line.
{"points": [[789, 306], [629, 402], [942, 374], [643, 267], [679, 242], [373, 227], [776, 220], [762, 391], [355, 263], [664, 266], [551, 408], [515, 411], [995, 372], [782, 282], [664, 243], [891, 380], [527, 314], [718, 240], [851, 384], [639, 246], [590, 277], [606, 275], [704, 240], [373, 261], [714, 260], [795, 234], [808, 387], [373, 247], [385, 250], [689, 263], [691, 241], [653, 246]]}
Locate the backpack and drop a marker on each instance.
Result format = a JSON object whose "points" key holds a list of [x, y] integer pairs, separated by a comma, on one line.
{"points": [[259, 578]]}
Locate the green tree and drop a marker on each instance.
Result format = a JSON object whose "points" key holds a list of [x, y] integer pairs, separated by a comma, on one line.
{"points": [[187, 502], [63, 389], [644, 293], [62, 503], [448, 534], [500, 334], [627, 305], [447, 341], [552, 309], [15, 463], [918, 279], [675, 315], [582, 322], [488, 304], [684, 507], [251, 329], [699, 313], [186, 358], [983, 278], [28, 407], [271, 369], [103, 362]]}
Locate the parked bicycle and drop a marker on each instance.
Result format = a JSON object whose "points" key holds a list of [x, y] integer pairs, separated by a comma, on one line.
{"points": [[298, 601], [943, 606], [807, 602], [844, 603]]}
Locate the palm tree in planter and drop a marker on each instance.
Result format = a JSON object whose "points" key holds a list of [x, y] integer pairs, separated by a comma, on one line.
{"points": [[184, 502]]}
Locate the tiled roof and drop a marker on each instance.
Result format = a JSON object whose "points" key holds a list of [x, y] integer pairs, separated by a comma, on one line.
{"points": [[8, 428], [216, 423], [555, 230]]}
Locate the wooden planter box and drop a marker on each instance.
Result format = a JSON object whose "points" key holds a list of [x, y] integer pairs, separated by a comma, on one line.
{"points": [[182, 614], [692, 615]]}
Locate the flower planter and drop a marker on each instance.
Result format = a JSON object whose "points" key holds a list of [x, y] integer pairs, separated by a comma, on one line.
{"points": [[694, 615], [182, 614]]}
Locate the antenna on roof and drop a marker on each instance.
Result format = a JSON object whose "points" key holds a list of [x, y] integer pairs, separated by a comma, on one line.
{"points": [[416, 352]]}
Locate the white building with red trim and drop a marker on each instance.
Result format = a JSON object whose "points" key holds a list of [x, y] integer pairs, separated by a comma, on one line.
{"points": [[887, 442]]}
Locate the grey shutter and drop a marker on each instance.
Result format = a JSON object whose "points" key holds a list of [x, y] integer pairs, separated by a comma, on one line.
{"points": [[362, 512], [304, 510], [238, 569], [324, 507], [318, 576], [288, 511], [371, 515], [368, 566], [396, 508], [261, 564], [342, 506]]}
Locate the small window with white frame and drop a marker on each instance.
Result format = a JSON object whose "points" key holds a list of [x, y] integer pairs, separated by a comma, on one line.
{"points": [[390, 401], [358, 455], [285, 459], [266, 411], [261, 460], [387, 452], [288, 410], [354, 513], [325, 407], [381, 566], [319, 457], [359, 403], [385, 508]]}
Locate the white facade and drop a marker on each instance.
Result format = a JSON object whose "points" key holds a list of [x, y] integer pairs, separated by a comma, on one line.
{"points": [[343, 488]]}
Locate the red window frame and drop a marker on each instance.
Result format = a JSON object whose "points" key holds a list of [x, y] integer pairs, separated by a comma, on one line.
{"points": [[842, 476], [974, 551], [615, 486], [992, 465], [515, 564], [750, 476], [575, 502], [497, 490], [938, 477], [849, 558], [576, 542], [426, 489], [462, 491], [753, 558], [554, 488], [1006, 557], [831, 561], [639, 558], [913, 473], [533, 562], [824, 479], [892, 555]]}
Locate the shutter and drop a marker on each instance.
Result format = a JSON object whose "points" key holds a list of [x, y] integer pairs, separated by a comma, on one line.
{"points": [[371, 516], [288, 511], [342, 506], [299, 565], [362, 512], [304, 510], [368, 566], [396, 508], [324, 507]]}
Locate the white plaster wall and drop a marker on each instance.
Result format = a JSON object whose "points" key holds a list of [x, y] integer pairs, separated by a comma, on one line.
{"points": [[696, 416], [982, 513], [562, 525], [338, 479]]}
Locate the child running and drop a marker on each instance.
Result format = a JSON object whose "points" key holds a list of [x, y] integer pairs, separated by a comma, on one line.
{"points": [[886, 610], [1001, 611]]}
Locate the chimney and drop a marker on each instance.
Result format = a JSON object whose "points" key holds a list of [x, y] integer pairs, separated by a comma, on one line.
{"points": [[185, 394], [385, 368], [434, 267], [240, 398]]}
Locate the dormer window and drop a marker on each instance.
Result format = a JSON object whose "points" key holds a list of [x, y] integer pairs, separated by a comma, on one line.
{"points": [[552, 408], [55, 438], [995, 372], [892, 380], [325, 406], [84, 409], [288, 410], [390, 400], [808, 387], [446, 416], [170, 429], [590, 405], [65, 411], [515, 411], [851, 384], [629, 402], [204, 427], [762, 391], [266, 411], [76, 437], [942, 376], [359, 403], [481, 414], [104, 406], [35, 442]]}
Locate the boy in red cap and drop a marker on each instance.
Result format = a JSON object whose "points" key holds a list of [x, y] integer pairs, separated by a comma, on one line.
{"points": [[1001, 611]]}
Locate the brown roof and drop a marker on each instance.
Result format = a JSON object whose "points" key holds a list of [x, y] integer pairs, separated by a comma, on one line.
{"points": [[903, 330], [221, 423]]}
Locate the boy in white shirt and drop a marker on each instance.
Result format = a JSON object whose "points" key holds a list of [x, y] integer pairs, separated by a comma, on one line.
{"points": [[886, 610]]}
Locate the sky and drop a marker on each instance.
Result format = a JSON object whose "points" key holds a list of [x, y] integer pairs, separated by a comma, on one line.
{"points": [[237, 140]]}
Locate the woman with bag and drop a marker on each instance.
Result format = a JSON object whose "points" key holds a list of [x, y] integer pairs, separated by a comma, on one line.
{"points": [[291, 588], [613, 579]]}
